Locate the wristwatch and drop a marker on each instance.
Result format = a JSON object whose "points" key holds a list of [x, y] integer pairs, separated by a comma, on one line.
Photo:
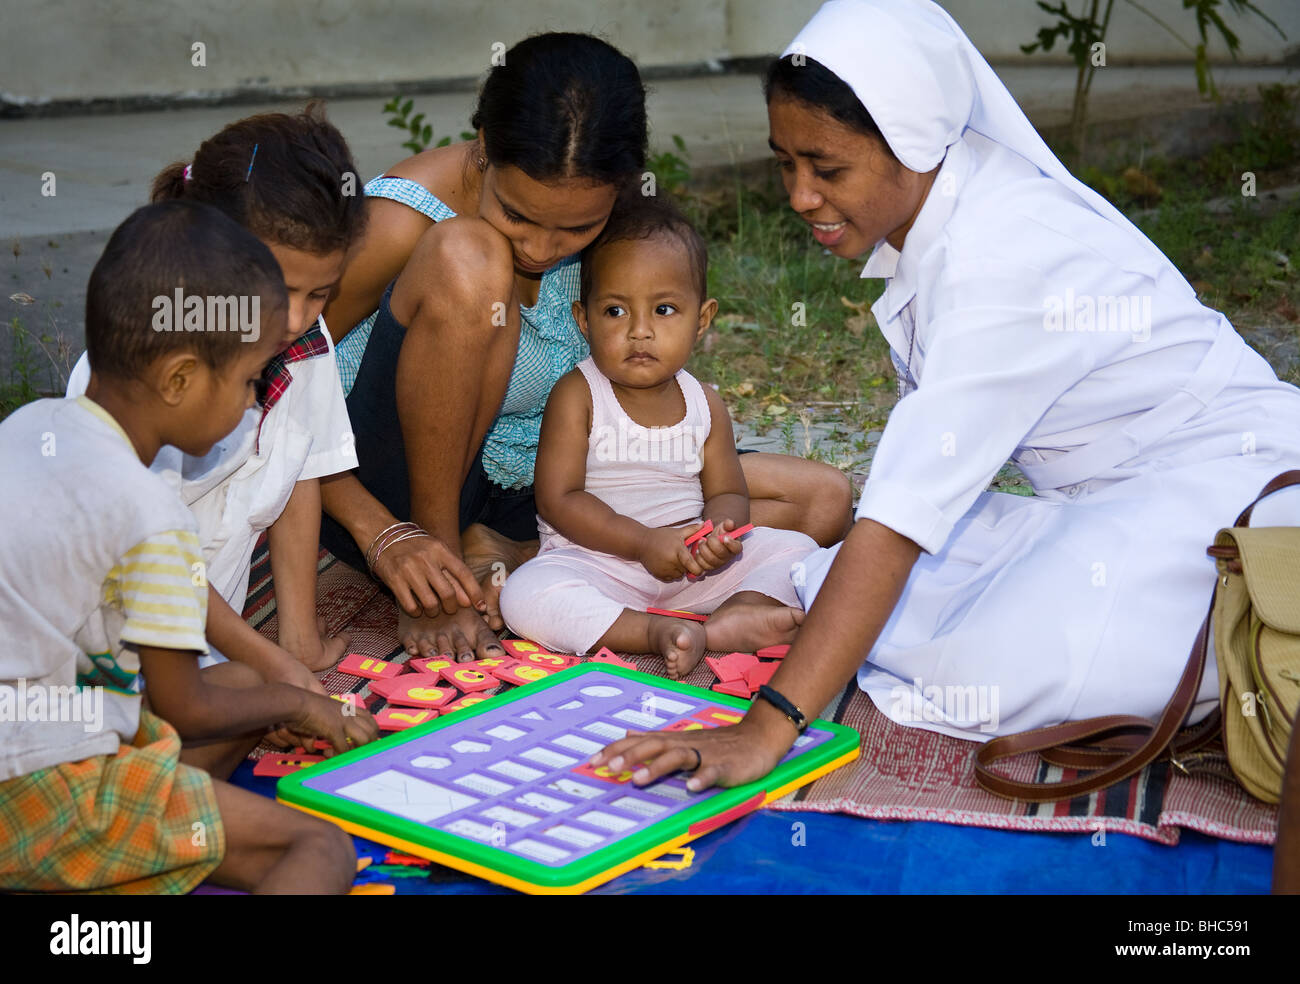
{"points": [[784, 705]]}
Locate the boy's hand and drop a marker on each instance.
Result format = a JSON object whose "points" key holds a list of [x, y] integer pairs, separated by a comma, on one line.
{"points": [[665, 555], [718, 548], [345, 726], [318, 650], [291, 671], [426, 577]]}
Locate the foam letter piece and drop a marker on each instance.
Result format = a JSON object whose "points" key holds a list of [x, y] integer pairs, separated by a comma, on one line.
{"points": [[518, 648], [603, 773], [401, 718], [430, 664], [603, 655], [772, 652], [551, 661], [396, 857], [355, 700], [758, 675], [419, 690], [732, 667], [521, 674], [385, 687], [468, 680], [284, 765], [675, 613], [736, 688], [469, 700], [370, 667]]}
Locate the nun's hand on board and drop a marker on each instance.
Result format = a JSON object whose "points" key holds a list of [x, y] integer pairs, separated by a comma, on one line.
{"points": [[727, 756]]}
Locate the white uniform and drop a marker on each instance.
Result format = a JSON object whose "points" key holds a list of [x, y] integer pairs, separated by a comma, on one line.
{"points": [[240, 487], [1029, 320]]}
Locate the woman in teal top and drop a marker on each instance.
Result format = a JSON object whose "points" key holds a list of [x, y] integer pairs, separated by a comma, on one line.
{"points": [[461, 292]]}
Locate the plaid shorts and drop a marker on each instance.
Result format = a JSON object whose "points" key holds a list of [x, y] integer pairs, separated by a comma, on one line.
{"points": [[136, 822]]}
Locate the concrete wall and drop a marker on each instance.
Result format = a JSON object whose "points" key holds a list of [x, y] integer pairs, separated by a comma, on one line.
{"points": [[78, 50]]}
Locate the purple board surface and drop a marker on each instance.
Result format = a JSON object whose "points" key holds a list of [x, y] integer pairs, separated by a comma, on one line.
{"points": [[516, 777]]}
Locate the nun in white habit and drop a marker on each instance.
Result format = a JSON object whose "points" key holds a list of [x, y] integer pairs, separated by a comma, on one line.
{"points": [[1028, 320]]}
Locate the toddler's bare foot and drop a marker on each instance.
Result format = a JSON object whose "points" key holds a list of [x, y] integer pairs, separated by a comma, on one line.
{"points": [[747, 626], [681, 643]]}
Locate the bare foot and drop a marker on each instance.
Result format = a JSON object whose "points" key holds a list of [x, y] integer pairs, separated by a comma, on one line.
{"points": [[747, 626], [463, 636], [680, 643], [491, 556]]}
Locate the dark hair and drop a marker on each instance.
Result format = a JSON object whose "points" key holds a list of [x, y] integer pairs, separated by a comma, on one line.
{"points": [[817, 86], [161, 248], [281, 177], [638, 216], [565, 106]]}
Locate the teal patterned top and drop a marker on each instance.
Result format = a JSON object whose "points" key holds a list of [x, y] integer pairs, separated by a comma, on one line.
{"points": [[550, 345]]}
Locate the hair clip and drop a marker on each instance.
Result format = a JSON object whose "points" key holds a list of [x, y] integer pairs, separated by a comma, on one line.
{"points": [[250, 163], [188, 169]]}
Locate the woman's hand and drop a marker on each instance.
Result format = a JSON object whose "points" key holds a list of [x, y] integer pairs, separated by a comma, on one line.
{"points": [[427, 578], [728, 756], [665, 555]]}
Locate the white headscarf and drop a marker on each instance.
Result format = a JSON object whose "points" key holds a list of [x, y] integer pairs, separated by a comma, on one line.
{"points": [[925, 84]]}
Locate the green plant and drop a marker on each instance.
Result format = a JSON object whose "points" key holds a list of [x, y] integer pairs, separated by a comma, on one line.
{"points": [[1086, 36], [421, 133], [21, 387], [671, 171]]}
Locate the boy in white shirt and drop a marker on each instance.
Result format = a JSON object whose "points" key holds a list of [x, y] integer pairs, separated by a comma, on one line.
{"points": [[102, 581]]}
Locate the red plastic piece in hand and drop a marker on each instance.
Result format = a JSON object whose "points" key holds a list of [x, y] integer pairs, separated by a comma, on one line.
{"points": [[699, 534]]}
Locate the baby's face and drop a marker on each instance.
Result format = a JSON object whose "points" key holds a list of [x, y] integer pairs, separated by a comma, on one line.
{"points": [[644, 311]]}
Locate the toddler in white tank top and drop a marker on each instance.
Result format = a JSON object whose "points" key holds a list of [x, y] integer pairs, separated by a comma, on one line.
{"points": [[634, 455]]}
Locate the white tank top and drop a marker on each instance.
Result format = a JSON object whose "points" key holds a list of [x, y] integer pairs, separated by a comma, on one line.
{"points": [[650, 474]]}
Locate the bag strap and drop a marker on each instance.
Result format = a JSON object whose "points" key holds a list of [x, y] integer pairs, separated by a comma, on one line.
{"points": [[1275, 484], [1119, 745]]}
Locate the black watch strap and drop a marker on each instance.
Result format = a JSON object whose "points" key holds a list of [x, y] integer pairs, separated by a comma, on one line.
{"points": [[784, 705]]}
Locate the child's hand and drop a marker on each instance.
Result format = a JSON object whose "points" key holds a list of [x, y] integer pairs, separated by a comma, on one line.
{"points": [[717, 549], [665, 555], [345, 726], [289, 670], [316, 651]]}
